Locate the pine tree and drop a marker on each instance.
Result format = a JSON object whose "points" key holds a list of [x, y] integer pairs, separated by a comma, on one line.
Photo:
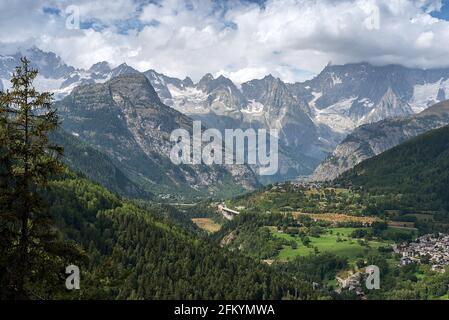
{"points": [[6, 215], [36, 255]]}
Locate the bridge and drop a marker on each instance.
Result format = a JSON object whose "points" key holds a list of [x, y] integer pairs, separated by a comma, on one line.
{"points": [[227, 213]]}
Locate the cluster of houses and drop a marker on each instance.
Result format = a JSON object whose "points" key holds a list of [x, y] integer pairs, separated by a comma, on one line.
{"points": [[307, 184], [432, 249], [299, 184]]}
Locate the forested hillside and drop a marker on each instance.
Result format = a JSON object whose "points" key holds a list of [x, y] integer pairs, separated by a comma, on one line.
{"points": [[135, 255], [96, 166], [418, 169]]}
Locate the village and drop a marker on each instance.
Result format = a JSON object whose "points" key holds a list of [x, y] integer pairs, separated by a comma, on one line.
{"points": [[430, 249]]}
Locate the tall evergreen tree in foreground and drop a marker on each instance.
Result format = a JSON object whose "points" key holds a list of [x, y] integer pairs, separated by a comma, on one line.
{"points": [[32, 255]]}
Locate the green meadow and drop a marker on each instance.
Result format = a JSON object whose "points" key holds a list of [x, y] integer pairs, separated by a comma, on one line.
{"points": [[335, 240]]}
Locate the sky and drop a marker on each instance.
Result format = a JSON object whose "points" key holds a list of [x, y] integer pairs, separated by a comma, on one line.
{"points": [[240, 39]]}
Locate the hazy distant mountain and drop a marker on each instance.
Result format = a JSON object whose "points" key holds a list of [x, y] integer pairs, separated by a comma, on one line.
{"points": [[125, 119], [372, 139], [56, 76]]}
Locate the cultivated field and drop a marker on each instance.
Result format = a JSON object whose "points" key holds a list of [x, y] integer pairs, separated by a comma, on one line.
{"points": [[337, 217]]}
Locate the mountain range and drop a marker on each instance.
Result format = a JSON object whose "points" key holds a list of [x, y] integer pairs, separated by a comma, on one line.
{"points": [[312, 117], [372, 139], [55, 75], [125, 119]]}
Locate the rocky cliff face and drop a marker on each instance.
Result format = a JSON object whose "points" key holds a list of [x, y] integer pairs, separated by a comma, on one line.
{"points": [[125, 118], [370, 140], [388, 107], [82, 158]]}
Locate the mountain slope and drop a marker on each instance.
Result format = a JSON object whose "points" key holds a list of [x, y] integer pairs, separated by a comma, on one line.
{"points": [[125, 118], [419, 167], [373, 139], [96, 166], [134, 254]]}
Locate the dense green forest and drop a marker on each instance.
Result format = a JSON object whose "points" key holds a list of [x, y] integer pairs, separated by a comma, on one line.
{"points": [[136, 255], [418, 170]]}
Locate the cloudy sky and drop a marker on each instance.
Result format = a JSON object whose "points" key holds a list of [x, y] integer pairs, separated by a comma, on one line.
{"points": [[242, 39]]}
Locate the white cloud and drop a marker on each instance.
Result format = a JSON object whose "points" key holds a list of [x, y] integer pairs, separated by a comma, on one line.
{"points": [[288, 38], [243, 75], [107, 11], [425, 40]]}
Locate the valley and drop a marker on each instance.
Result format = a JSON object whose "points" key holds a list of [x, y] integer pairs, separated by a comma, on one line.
{"points": [[143, 227], [368, 215]]}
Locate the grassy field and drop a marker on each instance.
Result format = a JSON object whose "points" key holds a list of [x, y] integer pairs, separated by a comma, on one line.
{"points": [[327, 242], [207, 224]]}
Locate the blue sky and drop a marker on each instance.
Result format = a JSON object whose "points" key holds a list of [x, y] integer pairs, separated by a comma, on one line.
{"points": [[241, 39], [443, 13]]}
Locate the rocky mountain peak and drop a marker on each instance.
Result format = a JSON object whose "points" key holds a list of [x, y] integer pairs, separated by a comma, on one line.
{"points": [[188, 82], [100, 67], [48, 63], [135, 86], [207, 77], [390, 106], [222, 79], [268, 91], [221, 82], [204, 82], [123, 69], [269, 77]]}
